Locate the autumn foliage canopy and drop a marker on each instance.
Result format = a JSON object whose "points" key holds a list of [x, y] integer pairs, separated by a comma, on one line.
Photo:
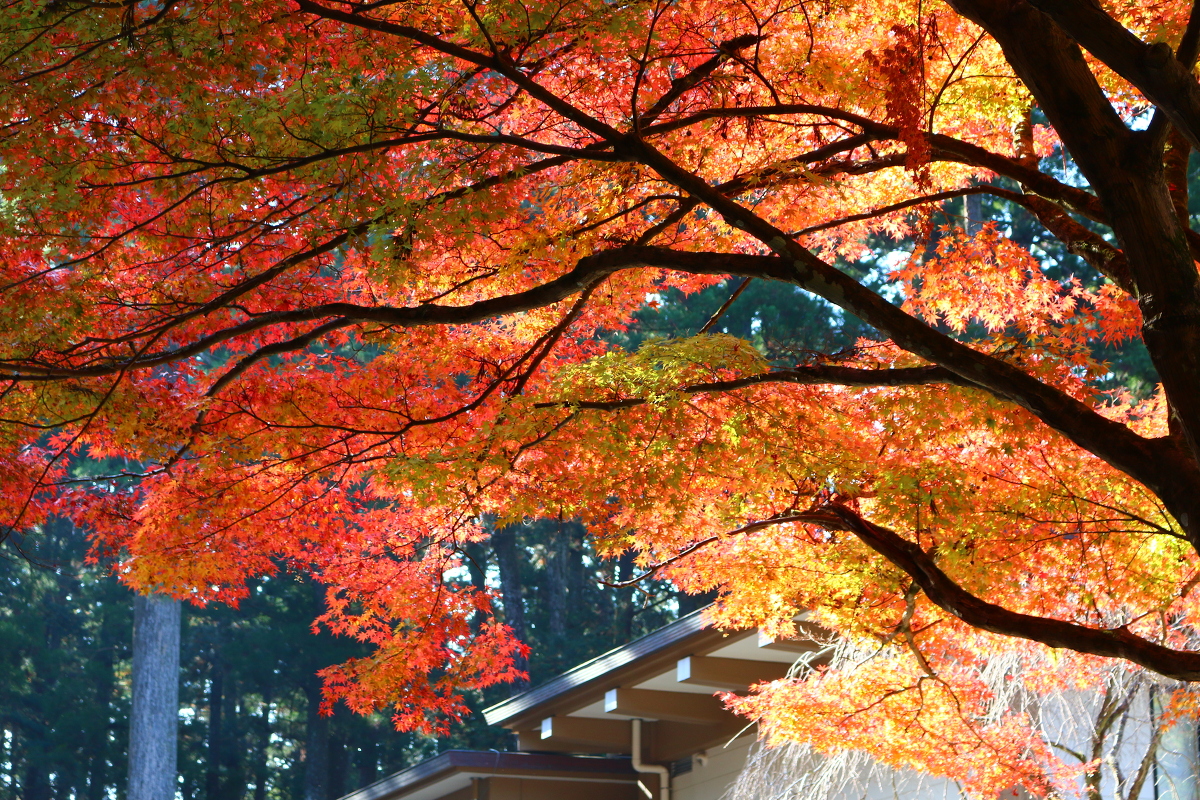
{"points": [[338, 286]]}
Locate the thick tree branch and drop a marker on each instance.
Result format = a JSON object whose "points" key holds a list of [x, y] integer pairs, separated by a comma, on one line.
{"points": [[589, 271], [1143, 459], [497, 62], [277, 349], [948, 595], [1085, 243], [809, 376], [1166, 81], [1115, 443], [1129, 181], [682, 85]]}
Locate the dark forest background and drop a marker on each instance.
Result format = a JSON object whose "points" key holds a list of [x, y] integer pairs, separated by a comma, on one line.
{"points": [[248, 689]]}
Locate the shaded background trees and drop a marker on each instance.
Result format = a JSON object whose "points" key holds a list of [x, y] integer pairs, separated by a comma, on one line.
{"points": [[64, 659], [249, 693]]}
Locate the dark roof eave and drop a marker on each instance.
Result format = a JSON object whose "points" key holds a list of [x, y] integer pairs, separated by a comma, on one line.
{"points": [[488, 762]]}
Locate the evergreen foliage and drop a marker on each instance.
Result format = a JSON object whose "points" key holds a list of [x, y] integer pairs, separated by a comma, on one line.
{"points": [[65, 628]]}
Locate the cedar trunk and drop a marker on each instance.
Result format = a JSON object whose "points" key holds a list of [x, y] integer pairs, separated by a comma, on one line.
{"points": [[154, 717]]}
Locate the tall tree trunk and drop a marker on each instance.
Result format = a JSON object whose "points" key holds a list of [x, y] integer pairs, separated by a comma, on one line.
{"points": [[262, 741], [216, 697], [623, 619], [557, 564], [154, 717], [316, 746], [368, 756], [508, 561], [973, 205], [577, 577], [36, 783], [234, 781], [476, 558], [109, 640], [339, 766]]}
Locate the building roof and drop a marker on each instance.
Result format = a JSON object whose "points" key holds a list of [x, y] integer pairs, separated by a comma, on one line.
{"points": [[667, 678], [454, 770], [638, 655], [574, 731]]}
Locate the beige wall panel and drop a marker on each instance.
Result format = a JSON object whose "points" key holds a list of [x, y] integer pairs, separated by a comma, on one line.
{"points": [[710, 781]]}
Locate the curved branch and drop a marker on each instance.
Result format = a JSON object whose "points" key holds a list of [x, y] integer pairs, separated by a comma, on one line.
{"points": [[299, 162], [1088, 245], [948, 595], [1146, 460], [942, 147], [498, 62], [752, 527], [808, 376], [1143, 459], [936, 197], [277, 349], [682, 85], [588, 272]]}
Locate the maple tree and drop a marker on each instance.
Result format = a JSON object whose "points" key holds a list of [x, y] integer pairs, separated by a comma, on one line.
{"points": [[322, 283]]}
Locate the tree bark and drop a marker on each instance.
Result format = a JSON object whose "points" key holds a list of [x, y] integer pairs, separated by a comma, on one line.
{"points": [[557, 564], [973, 211], [339, 765], [154, 717], [216, 697], [262, 741], [504, 544], [316, 746], [625, 610], [476, 558], [948, 595]]}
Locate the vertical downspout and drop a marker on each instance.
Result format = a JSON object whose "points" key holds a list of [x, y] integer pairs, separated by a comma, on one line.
{"points": [[635, 758]]}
